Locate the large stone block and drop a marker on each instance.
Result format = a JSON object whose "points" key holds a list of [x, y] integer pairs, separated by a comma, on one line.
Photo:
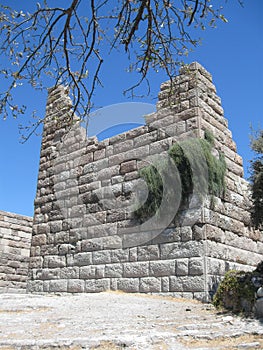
{"points": [[160, 146], [60, 237], [87, 272], [122, 146], [99, 154], [193, 283], [128, 166], [146, 139], [182, 250], [215, 233], [150, 252], [150, 285], [187, 284], [114, 270], [97, 285], [168, 235], [58, 286], [182, 267], [82, 259], [216, 266], [39, 240], [186, 233], [162, 268], [54, 261], [136, 269], [69, 272], [196, 266], [129, 285], [137, 153], [119, 255], [101, 257], [76, 286], [35, 286], [46, 274], [56, 226], [176, 284]]}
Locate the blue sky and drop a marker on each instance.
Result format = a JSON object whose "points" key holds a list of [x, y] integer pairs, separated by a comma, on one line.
{"points": [[232, 53]]}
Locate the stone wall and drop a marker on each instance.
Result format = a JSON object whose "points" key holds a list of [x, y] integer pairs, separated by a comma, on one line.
{"points": [[85, 235], [15, 241]]}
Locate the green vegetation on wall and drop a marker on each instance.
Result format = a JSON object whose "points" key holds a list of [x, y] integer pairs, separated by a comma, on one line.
{"points": [[186, 155], [216, 167], [257, 180], [155, 192]]}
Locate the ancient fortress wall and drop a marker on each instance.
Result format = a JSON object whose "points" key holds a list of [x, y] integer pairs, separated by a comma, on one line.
{"points": [[85, 235], [15, 241]]}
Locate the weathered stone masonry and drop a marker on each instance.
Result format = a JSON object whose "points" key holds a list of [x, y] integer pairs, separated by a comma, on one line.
{"points": [[15, 241], [79, 242]]}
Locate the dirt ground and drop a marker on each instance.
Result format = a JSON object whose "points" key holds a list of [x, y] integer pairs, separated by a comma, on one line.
{"points": [[114, 321]]}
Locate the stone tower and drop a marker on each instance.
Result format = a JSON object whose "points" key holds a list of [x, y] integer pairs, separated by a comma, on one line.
{"points": [[85, 236]]}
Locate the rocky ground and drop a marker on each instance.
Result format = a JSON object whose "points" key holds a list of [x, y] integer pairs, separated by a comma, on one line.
{"points": [[117, 321]]}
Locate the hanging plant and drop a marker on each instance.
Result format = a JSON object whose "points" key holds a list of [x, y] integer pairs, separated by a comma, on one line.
{"points": [[186, 156]]}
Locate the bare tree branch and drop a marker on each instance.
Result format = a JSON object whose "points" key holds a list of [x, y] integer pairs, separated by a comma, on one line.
{"points": [[57, 45]]}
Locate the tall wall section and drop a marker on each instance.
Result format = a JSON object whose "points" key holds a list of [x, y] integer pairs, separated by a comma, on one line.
{"points": [[15, 241], [85, 235]]}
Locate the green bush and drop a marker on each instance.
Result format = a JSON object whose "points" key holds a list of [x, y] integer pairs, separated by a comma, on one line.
{"points": [[236, 292], [185, 155], [155, 192]]}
